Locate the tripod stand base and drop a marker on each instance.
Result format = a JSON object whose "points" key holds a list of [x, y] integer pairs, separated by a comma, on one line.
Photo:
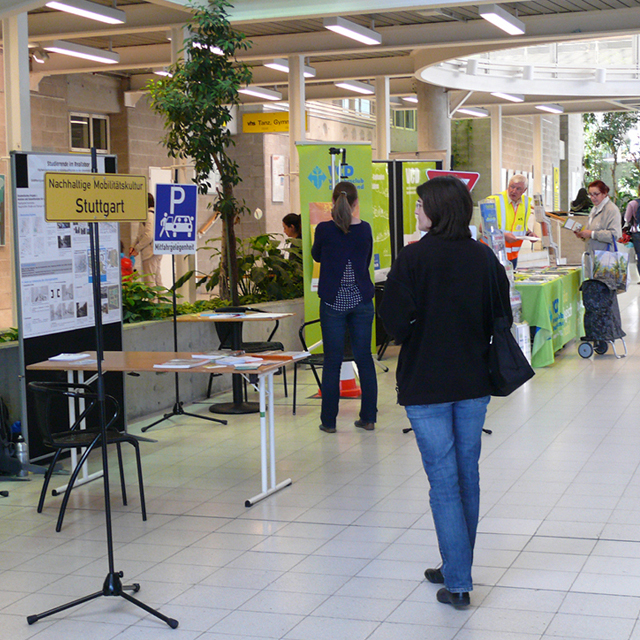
{"points": [[112, 587], [179, 411]]}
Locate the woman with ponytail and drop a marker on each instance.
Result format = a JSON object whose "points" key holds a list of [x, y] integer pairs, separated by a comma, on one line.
{"points": [[344, 247]]}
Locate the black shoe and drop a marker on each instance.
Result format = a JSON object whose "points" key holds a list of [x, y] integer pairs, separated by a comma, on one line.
{"points": [[434, 576], [456, 600], [367, 426], [327, 429]]}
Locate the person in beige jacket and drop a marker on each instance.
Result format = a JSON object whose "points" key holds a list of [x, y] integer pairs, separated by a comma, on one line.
{"points": [[143, 246]]}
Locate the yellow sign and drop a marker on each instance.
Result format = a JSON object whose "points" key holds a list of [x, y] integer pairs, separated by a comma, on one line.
{"points": [[556, 188], [265, 122], [94, 197]]}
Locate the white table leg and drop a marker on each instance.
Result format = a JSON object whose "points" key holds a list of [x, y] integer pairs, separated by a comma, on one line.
{"points": [[267, 456]]}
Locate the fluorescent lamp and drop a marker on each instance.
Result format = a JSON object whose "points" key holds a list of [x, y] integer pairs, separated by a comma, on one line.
{"points": [[478, 112], [281, 64], [511, 97], [356, 85], [352, 30], [502, 19], [261, 92], [81, 51], [550, 108], [411, 99], [91, 10], [215, 50], [163, 72]]}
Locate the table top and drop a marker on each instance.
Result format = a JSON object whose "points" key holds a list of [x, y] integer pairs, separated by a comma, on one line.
{"points": [[211, 316], [128, 361]]}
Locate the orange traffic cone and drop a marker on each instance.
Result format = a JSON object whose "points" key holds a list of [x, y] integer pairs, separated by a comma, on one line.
{"points": [[348, 386]]}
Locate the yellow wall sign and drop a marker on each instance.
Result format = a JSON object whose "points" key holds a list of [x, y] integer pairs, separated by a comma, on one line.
{"points": [[94, 197], [265, 122]]}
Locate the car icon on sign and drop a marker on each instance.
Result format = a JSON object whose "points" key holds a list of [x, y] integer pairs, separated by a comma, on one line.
{"points": [[179, 224]]}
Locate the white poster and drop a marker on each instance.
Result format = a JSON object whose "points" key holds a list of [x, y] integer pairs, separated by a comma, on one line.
{"points": [[277, 178], [55, 258]]}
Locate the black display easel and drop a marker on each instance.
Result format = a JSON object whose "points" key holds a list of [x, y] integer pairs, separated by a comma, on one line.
{"points": [[112, 585], [177, 409]]}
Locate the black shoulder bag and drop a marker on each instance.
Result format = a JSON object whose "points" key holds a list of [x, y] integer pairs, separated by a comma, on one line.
{"points": [[508, 366]]}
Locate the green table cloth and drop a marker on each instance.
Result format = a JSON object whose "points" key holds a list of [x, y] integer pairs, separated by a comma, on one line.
{"points": [[551, 303]]}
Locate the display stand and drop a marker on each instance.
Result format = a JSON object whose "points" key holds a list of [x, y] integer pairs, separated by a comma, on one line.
{"points": [[112, 585], [177, 409]]}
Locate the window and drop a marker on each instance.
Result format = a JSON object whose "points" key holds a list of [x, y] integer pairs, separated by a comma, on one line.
{"points": [[89, 131], [404, 119]]}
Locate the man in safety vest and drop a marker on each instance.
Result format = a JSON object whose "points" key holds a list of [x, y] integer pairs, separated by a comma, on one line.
{"points": [[513, 210]]}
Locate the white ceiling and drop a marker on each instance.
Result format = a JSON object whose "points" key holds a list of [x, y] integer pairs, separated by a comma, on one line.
{"points": [[415, 35]]}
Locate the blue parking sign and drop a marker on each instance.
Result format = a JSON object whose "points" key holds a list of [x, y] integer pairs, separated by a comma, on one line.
{"points": [[175, 223]]}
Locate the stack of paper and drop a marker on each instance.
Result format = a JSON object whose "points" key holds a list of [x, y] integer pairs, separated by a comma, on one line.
{"points": [[69, 357]]}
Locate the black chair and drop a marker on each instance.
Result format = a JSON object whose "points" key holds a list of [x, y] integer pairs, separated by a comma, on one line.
{"points": [[48, 400], [315, 360], [226, 336]]}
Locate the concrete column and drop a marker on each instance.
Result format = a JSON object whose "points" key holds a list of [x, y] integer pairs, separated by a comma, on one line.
{"points": [[434, 124], [383, 119], [496, 148], [297, 127], [536, 187], [15, 45]]}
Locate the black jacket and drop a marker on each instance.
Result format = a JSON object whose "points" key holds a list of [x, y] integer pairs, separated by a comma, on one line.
{"points": [[437, 304]]}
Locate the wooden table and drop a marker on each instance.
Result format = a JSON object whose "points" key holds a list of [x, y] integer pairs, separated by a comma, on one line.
{"points": [[236, 319], [134, 361]]}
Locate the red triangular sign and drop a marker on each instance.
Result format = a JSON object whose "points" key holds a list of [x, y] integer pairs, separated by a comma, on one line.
{"points": [[468, 177]]}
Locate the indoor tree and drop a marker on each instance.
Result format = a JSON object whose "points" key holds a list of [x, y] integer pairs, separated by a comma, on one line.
{"points": [[607, 141], [196, 102]]}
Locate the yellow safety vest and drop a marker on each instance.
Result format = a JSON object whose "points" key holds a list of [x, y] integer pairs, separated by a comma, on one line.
{"points": [[511, 220]]}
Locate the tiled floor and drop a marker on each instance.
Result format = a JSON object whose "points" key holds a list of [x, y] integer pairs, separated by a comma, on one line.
{"points": [[340, 554]]}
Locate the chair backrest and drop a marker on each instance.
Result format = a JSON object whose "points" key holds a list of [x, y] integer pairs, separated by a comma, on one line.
{"points": [[348, 351], [51, 404]]}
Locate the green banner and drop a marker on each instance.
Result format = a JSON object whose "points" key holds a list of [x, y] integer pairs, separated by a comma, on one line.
{"points": [[380, 200], [413, 174], [316, 186]]}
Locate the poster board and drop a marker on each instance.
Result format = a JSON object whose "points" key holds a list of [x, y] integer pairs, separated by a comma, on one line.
{"points": [[53, 279]]}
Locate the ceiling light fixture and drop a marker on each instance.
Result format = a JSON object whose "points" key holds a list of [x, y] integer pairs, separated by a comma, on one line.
{"points": [[478, 112], [411, 99], [281, 64], [550, 108], [39, 55], [357, 86], [163, 72], [352, 30], [502, 19], [261, 92], [215, 50], [91, 10], [511, 97], [81, 51]]}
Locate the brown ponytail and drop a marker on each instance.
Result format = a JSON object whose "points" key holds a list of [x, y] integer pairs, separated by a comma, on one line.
{"points": [[345, 195]]}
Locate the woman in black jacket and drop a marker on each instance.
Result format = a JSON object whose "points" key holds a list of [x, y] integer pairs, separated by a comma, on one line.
{"points": [[439, 302]]}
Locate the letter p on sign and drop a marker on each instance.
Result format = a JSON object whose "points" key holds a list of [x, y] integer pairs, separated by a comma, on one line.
{"points": [[177, 197]]}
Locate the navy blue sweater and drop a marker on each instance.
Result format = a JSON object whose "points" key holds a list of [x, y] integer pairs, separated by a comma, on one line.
{"points": [[332, 248]]}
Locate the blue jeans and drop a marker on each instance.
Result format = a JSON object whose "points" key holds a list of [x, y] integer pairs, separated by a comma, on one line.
{"points": [[449, 439], [334, 325]]}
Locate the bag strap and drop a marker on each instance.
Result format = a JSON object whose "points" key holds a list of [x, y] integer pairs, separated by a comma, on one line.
{"points": [[493, 280]]}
